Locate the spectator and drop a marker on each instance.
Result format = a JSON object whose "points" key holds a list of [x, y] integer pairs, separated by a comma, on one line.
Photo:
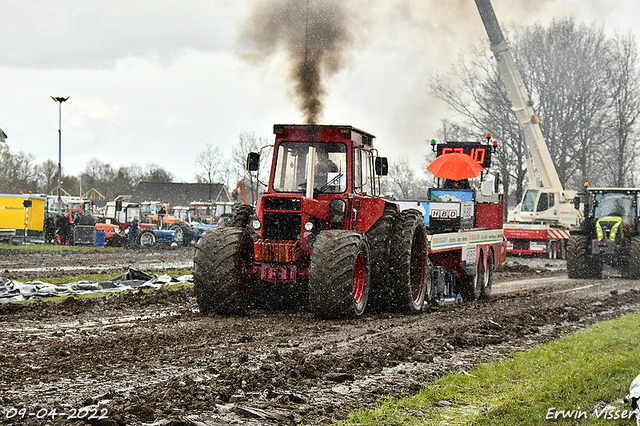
{"points": [[62, 225], [133, 230], [49, 229]]}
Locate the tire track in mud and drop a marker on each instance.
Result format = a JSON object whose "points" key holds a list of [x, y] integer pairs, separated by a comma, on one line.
{"points": [[154, 358]]}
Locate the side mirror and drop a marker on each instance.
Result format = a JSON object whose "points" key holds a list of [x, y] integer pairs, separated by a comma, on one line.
{"points": [[382, 166], [576, 202], [118, 205], [253, 161]]}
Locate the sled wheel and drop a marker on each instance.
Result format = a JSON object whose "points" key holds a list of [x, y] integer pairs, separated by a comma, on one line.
{"points": [[147, 238], [579, 263], [409, 263], [220, 281], [471, 285], [487, 277], [339, 274]]}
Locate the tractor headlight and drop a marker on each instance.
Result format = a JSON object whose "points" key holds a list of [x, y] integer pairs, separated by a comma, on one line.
{"points": [[256, 224], [308, 226]]}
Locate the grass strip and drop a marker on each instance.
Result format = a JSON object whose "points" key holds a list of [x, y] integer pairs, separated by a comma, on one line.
{"points": [[579, 379]]}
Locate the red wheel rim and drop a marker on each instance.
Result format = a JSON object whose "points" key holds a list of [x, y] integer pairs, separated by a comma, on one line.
{"points": [[359, 277]]}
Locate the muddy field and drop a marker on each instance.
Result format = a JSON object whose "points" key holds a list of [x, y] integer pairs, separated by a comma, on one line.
{"points": [[153, 359]]}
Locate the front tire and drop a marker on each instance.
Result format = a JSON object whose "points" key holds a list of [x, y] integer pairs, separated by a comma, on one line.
{"points": [[579, 263], [240, 216], [634, 258], [339, 274], [220, 281], [409, 263]]}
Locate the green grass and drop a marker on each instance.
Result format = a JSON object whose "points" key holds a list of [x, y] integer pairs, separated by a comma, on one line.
{"points": [[581, 372]]}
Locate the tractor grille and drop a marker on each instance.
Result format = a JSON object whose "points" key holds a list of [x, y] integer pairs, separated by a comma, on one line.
{"points": [[277, 251], [606, 226], [292, 204], [279, 227]]}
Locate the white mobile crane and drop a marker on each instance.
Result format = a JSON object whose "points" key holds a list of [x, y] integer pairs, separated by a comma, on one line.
{"points": [[541, 222]]}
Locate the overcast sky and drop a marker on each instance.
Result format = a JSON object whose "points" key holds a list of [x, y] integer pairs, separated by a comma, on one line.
{"points": [[156, 80]]}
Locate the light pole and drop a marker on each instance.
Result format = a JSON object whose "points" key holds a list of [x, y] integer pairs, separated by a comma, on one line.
{"points": [[60, 100]]}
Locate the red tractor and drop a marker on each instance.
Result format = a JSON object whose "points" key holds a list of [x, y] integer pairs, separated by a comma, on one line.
{"points": [[321, 231]]}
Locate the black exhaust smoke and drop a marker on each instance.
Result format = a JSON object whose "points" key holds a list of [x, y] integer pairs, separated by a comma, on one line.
{"points": [[314, 35]]}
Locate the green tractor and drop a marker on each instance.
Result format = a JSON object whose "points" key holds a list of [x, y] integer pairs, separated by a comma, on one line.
{"points": [[609, 234]]}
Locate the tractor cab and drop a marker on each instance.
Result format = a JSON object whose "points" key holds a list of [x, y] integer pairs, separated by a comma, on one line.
{"points": [[615, 214], [322, 177], [611, 221]]}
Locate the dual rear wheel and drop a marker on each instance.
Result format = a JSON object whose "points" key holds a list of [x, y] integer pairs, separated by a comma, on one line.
{"points": [[478, 286]]}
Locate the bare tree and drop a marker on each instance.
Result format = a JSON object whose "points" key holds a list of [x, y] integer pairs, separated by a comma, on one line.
{"points": [[561, 66], [211, 167], [210, 164], [17, 171], [624, 94], [253, 182], [47, 173], [155, 173], [481, 102]]}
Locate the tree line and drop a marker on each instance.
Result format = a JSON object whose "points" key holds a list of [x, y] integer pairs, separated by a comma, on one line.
{"points": [[20, 173]]}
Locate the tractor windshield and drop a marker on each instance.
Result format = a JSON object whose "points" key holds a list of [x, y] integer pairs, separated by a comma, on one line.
{"points": [[329, 168], [614, 204]]}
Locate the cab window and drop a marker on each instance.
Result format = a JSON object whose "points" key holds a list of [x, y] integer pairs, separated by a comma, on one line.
{"points": [[362, 171]]}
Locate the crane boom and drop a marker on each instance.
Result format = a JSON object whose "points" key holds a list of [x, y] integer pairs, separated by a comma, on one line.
{"points": [[519, 98]]}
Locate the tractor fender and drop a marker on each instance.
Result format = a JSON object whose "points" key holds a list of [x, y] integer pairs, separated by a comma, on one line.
{"points": [[368, 211]]}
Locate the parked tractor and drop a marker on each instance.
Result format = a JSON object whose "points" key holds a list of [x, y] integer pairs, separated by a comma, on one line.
{"points": [[158, 216], [323, 234], [609, 234]]}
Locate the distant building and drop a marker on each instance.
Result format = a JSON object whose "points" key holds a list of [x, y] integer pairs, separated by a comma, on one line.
{"points": [[179, 194], [3, 136]]}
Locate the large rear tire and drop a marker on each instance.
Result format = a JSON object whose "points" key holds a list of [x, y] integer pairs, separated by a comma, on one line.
{"points": [[634, 258], [379, 236], [147, 237], [220, 281], [580, 264], [183, 232], [409, 263], [339, 274]]}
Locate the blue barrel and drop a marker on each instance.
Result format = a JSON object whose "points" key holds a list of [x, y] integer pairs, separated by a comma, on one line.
{"points": [[98, 238]]}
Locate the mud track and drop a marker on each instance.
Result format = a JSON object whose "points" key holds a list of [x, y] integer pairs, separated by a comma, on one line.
{"points": [[152, 358]]}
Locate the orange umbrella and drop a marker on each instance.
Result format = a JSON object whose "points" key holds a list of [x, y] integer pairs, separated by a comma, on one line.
{"points": [[455, 166]]}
